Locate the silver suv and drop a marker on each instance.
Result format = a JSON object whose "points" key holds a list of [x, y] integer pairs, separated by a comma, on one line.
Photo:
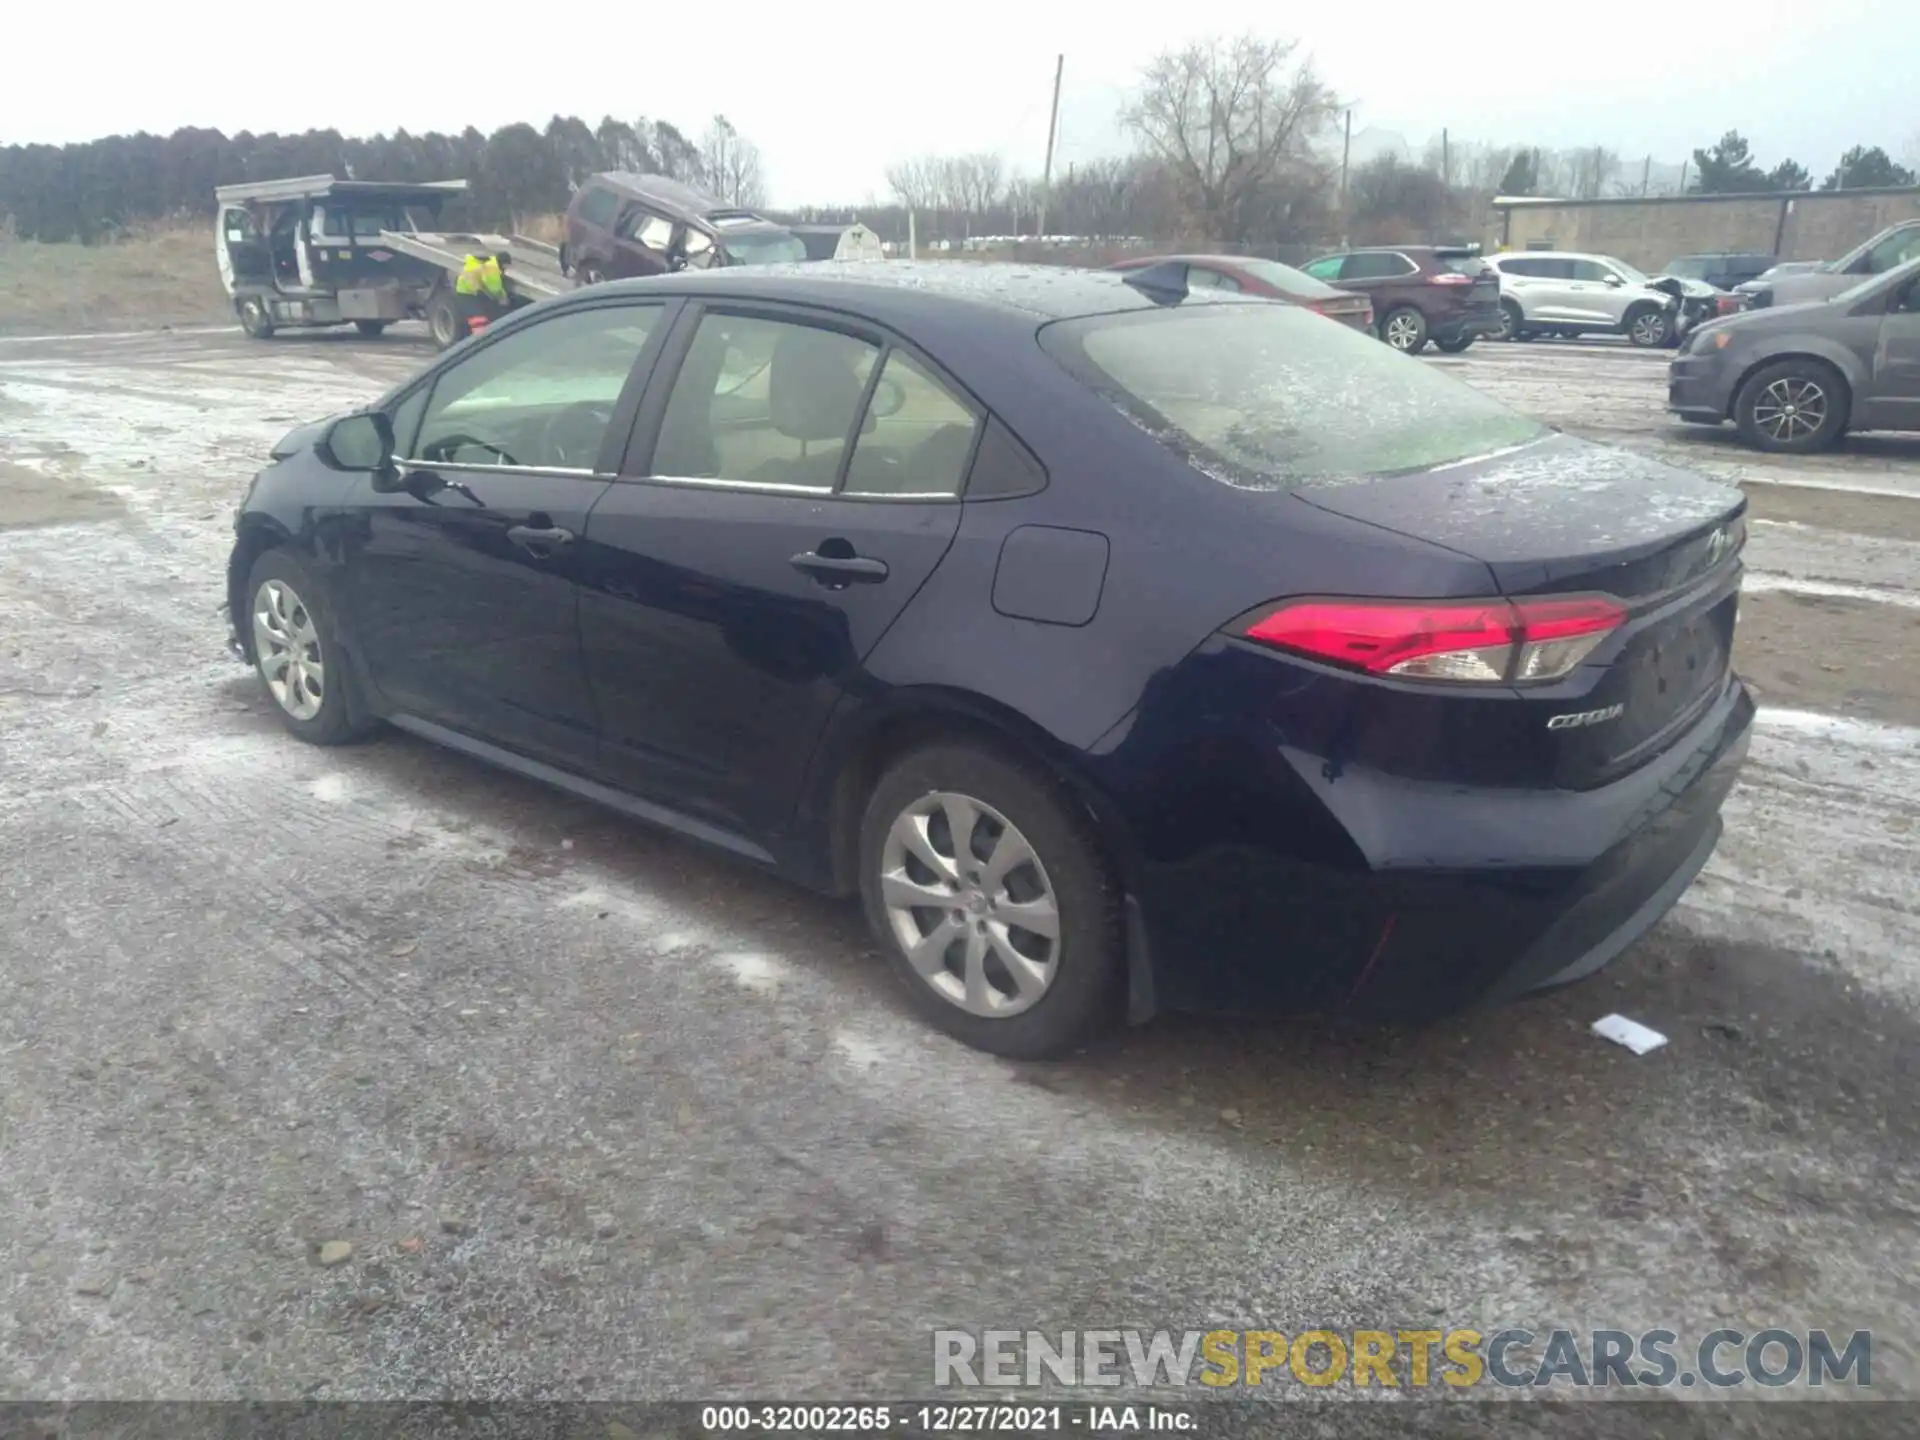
{"points": [[1554, 292]]}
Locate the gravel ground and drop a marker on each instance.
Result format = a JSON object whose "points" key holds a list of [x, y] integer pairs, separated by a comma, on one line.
{"points": [[375, 1074]]}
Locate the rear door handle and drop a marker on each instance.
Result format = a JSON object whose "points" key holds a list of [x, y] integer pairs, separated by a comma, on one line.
{"points": [[841, 569], [539, 539]]}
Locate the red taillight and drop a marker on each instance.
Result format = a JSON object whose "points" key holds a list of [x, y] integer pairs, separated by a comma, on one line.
{"points": [[1451, 277], [1479, 641]]}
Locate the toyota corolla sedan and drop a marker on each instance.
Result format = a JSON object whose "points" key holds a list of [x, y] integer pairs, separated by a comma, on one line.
{"points": [[1121, 648]]}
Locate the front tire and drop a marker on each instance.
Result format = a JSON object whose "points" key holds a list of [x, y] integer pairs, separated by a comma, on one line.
{"points": [[1792, 407], [1647, 327], [1405, 329], [1512, 321], [296, 653], [254, 318], [990, 896]]}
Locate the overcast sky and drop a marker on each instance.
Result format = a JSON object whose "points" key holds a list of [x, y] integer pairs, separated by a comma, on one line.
{"points": [[834, 92]]}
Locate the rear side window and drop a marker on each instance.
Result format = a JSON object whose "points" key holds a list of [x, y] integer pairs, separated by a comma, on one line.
{"points": [[1526, 268], [1266, 397], [917, 436], [1326, 268], [1377, 265], [597, 206], [1200, 278]]}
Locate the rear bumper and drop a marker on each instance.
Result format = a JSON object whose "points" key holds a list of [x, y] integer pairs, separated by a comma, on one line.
{"points": [[1479, 321], [1461, 895]]}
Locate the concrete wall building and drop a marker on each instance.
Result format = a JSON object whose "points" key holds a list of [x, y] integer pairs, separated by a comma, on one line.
{"points": [[1807, 225]]}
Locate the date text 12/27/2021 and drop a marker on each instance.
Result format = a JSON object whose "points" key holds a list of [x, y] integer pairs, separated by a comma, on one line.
{"points": [[913, 1419]]}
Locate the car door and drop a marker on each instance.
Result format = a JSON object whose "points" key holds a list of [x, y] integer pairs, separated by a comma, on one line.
{"points": [[1895, 403], [1521, 280], [793, 483], [643, 242], [1592, 298], [461, 569]]}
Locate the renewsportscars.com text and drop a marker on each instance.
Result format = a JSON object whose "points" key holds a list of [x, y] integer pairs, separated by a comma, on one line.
{"points": [[1401, 1359]]}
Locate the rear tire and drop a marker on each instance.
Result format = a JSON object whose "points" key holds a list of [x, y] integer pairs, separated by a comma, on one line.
{"points": [[296, 653], [1793, 407], [1453, 345], [443, 319], [254, 318], [1405, 329], [372, 329], [1054, 993]]}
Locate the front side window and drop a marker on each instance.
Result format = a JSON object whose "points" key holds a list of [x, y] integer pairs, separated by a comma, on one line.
{"points": [[1895, 250], [917, 438], [764, 402], [643, 227], [1267, 397], [1590, 271], [541, 397]]}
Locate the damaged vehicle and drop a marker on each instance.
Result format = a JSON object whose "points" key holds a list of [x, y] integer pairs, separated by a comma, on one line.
{"points": [[621, 225], [1695, 303], [315, 251], [1083, 626]]}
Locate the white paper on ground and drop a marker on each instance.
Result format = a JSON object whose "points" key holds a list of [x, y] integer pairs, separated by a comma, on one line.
{"points": [[1630, 1033]]}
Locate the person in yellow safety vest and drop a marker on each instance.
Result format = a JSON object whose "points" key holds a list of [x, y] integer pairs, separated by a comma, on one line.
{"points": [[482, 288]]}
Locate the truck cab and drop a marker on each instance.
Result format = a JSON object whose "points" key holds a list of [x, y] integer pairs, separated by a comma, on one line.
{"points": [[310, 251]]}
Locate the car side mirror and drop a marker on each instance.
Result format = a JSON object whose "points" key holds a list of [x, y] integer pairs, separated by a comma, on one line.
{"points": [[1615, 281], [362, 441]]}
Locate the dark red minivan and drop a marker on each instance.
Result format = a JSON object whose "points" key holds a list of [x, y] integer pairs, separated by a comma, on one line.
{"points": [[621, 225]]}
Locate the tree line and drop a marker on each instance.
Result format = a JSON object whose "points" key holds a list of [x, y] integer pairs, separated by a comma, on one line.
{"points": [[97, 189]]}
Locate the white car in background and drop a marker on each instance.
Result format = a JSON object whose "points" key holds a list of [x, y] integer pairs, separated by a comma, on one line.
{"points": [[1557, 292]]}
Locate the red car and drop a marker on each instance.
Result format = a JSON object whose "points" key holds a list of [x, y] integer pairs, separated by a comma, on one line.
{"points": [[1267, 278]]}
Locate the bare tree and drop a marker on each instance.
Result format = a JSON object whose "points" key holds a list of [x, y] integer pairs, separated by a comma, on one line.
{"points": [[1228, 119], [914, 182], [730, 164]]}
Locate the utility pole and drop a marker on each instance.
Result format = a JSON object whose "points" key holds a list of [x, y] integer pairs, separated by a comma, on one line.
{"points": [[1446, 161], [1346, 154], [1053, 128], [1646, 176], [1683, 175]]}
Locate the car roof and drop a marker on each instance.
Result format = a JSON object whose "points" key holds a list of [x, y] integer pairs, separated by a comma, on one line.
{"points": [[904, 292], [687, 201]]}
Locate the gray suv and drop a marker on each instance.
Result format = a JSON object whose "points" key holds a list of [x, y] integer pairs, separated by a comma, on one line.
{"points": [[1892, 247], [1796, 378], [1550, 292]]}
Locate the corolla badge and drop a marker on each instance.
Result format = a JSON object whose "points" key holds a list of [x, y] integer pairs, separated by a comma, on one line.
{"points": [[1586, 717]]}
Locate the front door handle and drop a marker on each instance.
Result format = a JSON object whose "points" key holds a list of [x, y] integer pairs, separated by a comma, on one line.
{"points": [[539, 540]]}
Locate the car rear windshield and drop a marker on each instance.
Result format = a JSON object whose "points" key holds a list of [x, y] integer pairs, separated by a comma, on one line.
{"points": [[1289, 281], [1267, 397], [768, 247], [1459, 261]]}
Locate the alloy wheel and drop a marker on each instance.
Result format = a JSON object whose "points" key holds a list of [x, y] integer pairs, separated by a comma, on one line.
{"points": [[1402, 331], [1649, 329], [287, 645], [1790, 408], [970, 904]]}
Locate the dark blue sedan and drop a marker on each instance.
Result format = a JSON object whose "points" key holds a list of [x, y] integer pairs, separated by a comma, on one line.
{"points": [[1122, 649]]}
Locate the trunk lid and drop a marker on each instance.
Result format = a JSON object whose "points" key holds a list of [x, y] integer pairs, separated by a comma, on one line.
{"points": [[1563, 516]]}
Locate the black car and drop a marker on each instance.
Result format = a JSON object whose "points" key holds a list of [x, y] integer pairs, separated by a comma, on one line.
{"points": [[1121, 648]]}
